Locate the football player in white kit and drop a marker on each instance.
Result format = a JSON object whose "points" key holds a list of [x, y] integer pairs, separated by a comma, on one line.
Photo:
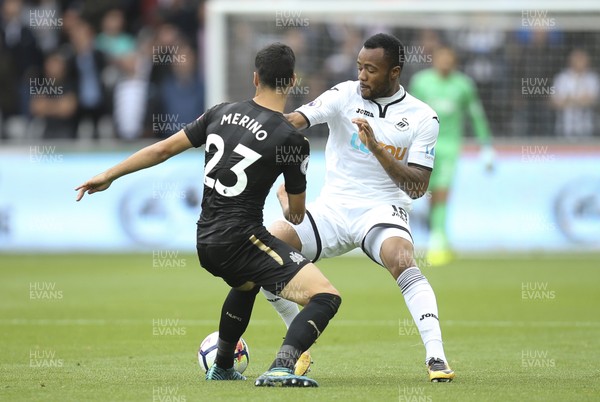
{"points": [[379, 157]]}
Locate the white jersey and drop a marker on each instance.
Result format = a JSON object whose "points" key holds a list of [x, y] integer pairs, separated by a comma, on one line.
{"points": [[405, 126]]}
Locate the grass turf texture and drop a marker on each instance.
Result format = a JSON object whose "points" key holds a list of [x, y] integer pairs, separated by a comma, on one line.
{"points": [[99, 328]]}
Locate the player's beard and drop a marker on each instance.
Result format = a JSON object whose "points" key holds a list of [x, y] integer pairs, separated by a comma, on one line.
{"points": [[366, 93], [379, 91]]}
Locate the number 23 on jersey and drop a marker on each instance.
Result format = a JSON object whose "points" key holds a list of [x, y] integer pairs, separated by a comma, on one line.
{"points": [[250, 156]]}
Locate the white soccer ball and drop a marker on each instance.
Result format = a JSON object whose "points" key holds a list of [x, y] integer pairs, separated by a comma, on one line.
{"points": [[208, 352]]}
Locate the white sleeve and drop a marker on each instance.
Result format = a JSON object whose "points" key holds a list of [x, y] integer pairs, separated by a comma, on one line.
{"points": [[327, 105], [422, 149]]}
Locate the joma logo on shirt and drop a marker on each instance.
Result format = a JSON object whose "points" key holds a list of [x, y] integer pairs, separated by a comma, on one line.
{"points": [[398, 152], [364, 112]]}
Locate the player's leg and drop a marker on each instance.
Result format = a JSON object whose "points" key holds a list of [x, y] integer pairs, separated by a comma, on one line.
{"points": [[397, 256], [390, 244], [321, 301], [439, 184], [310, 288], [222, 261], [235, 316], [439, 246], [286, 309], [314, 237], [270, 263], [286, 232]]}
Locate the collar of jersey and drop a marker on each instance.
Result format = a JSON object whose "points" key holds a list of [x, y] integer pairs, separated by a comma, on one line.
{"points": [[398, 95]]}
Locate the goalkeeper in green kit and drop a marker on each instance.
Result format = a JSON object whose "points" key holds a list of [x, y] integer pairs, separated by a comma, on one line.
{"points": [[451, 94]]}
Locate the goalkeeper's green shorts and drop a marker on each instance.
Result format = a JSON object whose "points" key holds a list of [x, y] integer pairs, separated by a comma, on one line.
{"points": [[444, 169]]}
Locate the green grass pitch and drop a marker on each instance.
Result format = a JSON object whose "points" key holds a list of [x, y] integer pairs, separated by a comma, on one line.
{"points": [[127, 328]]}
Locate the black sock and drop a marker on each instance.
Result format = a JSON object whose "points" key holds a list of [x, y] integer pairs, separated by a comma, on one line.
{"points": [[225, 352], [235, 316], [306, 328], [287, 357]]}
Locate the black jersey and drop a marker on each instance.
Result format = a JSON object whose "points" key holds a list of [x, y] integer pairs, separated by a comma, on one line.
{"points": [[247, 148]]}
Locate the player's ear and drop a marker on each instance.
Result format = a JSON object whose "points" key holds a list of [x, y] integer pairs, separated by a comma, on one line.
{"points": [[255, 79], [395, 73], [293, 81]]}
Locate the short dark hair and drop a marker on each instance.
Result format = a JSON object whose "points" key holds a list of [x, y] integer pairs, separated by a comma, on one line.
{"points": [[275, 65], [392, 48]]}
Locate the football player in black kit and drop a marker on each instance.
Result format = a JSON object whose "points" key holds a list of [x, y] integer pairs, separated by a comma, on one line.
{"points": [[247, 146]]}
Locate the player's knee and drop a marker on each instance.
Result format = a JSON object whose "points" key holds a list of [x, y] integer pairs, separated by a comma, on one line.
{"points": [[323, 288], [399, 258], [332, 290], [329, 300], [405, 258]]}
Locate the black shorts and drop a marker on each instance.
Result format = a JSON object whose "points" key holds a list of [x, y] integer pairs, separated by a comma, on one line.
{"points": [[258, 257]]}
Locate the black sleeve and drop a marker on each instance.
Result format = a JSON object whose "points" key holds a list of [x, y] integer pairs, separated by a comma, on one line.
{"points": [[196, 130], [294, 172]]}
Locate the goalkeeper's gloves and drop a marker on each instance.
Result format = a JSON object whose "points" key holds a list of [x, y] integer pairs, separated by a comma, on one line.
{"points": [[486, 154]]}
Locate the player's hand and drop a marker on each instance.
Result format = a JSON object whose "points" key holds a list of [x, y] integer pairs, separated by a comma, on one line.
{"points": [[97, 183], [284, 201], [365, 134], [282, 196]]}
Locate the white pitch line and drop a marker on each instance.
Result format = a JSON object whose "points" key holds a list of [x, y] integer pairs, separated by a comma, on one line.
{"points": [[341, 322]]}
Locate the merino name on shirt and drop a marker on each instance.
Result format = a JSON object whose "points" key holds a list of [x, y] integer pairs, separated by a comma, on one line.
{"points": [[246, 122]]}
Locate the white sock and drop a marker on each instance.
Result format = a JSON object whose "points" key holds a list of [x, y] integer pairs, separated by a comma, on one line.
{"points": [[422, 305], [287, 310]]}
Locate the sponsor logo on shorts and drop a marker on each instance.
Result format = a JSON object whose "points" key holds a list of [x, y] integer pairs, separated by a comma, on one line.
{"points": [[296, 257], [399, 213]]}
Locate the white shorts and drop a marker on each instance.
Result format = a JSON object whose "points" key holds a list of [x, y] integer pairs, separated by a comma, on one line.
{"points": [[329, 230]]}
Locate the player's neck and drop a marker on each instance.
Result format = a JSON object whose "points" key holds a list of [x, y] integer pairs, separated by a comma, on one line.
{"points": [[393, 91], [270, 99], [389, 95]]}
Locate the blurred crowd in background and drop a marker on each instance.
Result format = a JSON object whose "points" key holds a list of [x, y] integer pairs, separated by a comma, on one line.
{"points": [[134, 69], [99, 68], [532, 82]]}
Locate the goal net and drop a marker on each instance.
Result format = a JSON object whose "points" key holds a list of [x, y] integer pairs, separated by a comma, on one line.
{"points": [[514, 51]]}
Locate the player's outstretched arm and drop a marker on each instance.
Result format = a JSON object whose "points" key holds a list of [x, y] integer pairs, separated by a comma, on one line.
{"points": [[144, 158], [412, 179], [297, 120]]}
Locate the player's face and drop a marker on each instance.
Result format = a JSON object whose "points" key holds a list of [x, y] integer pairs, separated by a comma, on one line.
{"points": [[444, 61], [376, 78]]}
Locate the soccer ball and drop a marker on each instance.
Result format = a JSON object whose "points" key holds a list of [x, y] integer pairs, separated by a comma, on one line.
{"points": [[208, 352]]}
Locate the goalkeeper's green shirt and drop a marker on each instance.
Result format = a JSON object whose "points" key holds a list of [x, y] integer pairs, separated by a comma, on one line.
{"points": [[451, 97]]}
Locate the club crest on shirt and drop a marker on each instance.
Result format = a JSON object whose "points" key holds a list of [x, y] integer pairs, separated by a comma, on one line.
{"points": [[402, 125]]}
